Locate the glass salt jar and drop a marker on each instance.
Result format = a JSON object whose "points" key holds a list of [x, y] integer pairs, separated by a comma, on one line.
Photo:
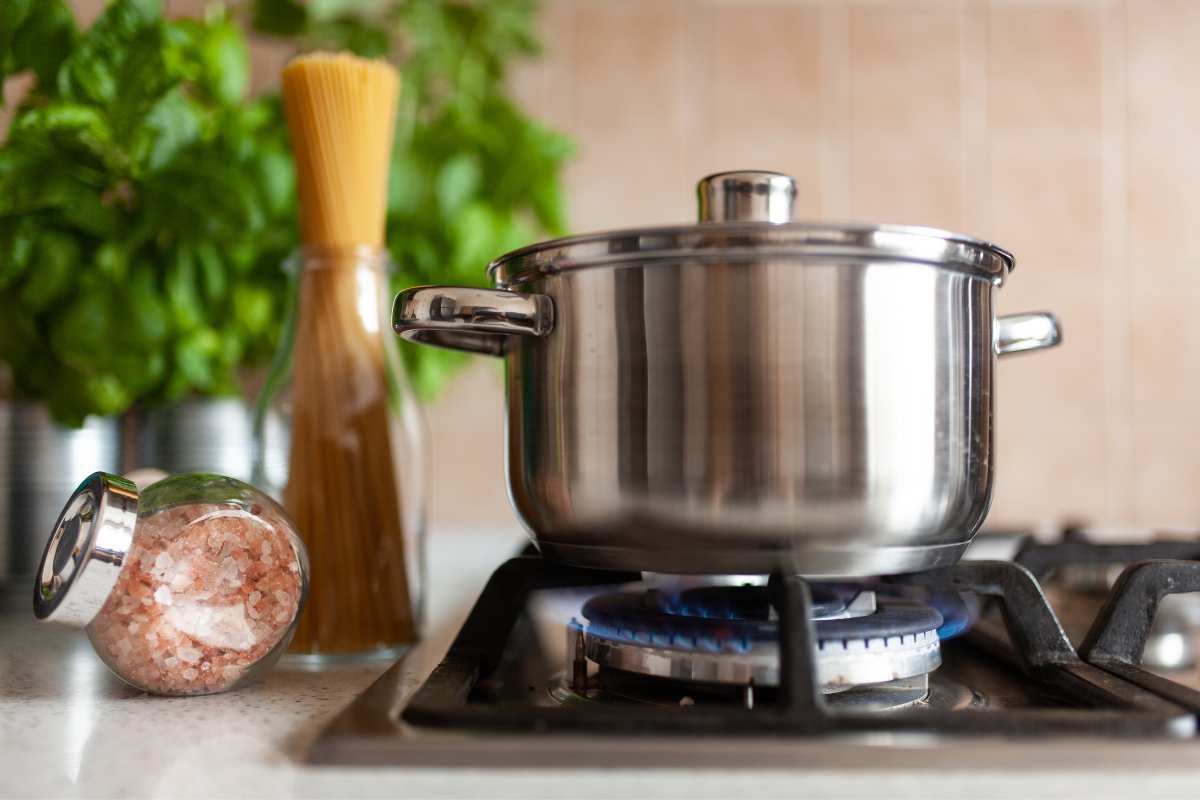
{"points": [[192, 586]]}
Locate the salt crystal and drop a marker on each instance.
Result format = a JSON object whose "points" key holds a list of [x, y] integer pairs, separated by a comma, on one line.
{"points": [[163, 562], [282, 597], [163, 595], [254, 597], [189, 655], [225, 627], [266, 547], [190, 674]]}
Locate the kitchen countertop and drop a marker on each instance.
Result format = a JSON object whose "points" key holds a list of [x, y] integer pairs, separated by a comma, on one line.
{"points": [[68, 728]]}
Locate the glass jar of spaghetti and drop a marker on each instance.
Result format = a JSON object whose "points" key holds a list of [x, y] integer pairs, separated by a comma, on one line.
{"points": [[354, 478], [192, 586]]}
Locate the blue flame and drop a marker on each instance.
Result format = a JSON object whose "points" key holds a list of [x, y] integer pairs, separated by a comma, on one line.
{"points": [[959, 611], [732, 624]]}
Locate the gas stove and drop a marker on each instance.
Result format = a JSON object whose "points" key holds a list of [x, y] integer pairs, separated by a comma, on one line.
{"points": [[554, 659]]}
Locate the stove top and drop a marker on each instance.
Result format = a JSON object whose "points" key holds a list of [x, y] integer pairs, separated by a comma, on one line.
{"points": [[551, 655]]}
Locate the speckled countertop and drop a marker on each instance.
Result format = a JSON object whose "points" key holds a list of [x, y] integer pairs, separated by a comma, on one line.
{"points": [[69, 729]]}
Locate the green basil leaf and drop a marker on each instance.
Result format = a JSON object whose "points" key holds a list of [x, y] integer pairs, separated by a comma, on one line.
{"points": [[137, 372], [212, 271], [73, 126], [17, 331], [195, 354], [105, 394], [407, 185], [56, 255], [226, 62], [81, 334], [96, 70], [173, 124], [252, 308], [183, 297], [149, 319], [16, 248], [85, 208], [324, 10], [37, 35], [277, 181], [112, 261], [279, 17], [474, 232], [230, 352], [457, 182], [13, 14]]}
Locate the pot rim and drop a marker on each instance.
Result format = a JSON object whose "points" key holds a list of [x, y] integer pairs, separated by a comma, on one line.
{"points": [[751, 241]]}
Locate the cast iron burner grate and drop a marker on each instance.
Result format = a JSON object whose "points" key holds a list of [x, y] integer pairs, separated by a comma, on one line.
{"points": [[1104, 691]]}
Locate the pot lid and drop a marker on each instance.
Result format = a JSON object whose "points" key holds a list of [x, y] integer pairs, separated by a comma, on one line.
{"points": [[746, 215]]}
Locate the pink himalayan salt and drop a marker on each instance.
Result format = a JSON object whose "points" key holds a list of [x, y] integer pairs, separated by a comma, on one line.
{"points": [[206, 592]]}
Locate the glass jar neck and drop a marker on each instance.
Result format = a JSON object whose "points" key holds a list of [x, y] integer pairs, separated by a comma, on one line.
{"points": [[322, 257]]}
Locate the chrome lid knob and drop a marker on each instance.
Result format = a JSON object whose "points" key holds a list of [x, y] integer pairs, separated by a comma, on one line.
{"points": [[746, 195]]}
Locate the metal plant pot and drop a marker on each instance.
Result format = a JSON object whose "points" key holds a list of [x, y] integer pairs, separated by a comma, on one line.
{"points": [[210, 435], [41, 463]]}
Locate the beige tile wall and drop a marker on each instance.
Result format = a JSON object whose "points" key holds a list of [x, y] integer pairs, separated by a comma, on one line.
{"points": [[1062, 130], [1058, 129]]}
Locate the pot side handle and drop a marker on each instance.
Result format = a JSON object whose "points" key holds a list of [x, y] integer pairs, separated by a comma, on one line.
{"points": [[1016, 333], [468, 318]]}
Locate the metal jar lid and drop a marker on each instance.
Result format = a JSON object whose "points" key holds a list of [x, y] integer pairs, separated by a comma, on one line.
{"points": [[746, 215], [86, 551]]}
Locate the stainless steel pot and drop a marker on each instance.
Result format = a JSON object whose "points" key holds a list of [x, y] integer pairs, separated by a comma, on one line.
{"points": [[746, 394]]}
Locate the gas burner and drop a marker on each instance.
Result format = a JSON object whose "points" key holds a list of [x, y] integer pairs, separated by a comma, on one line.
{"points": [[618, 686], [722, 637]]}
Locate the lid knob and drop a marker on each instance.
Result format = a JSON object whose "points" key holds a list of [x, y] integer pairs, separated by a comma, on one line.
{"points": [[86, 550], [746, 195]]}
